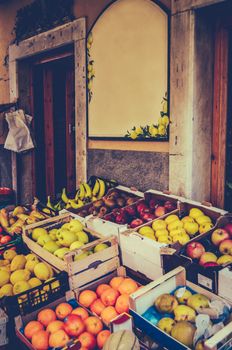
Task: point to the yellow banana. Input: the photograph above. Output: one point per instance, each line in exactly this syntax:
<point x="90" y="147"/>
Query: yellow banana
<point x="68" y="205"/>
<point x="37" y="215"/>
<point x="88" y="191"/>
<point x="46" y="211"/>
<point x="102" y="189"/>
<point x="82" y="191"/>
<point x="64" y="196"/>
<point x="23" y="217"/>
<point x="76" y="205"/>
<point x="94" y="198"/>
<point x="49" y="204"/>
<point x="96" y="188"/>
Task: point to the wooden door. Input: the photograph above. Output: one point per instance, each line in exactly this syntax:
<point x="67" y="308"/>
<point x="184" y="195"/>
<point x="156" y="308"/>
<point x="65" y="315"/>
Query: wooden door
<point x="54" y="127"/>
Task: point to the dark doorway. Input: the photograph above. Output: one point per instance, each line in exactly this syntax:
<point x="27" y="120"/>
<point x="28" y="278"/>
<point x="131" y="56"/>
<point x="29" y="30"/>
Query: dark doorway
<point x="54" y="126"/>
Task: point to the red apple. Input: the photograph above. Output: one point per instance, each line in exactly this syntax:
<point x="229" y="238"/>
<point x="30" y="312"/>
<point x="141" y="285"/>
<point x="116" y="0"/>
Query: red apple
<point x="121" y="219"/>
<point x="207" y="257"/>
<point x="147" y="216"/>
<point x="228" y="228"/>
<point x="210" y="264"/>
<point x="142" y="207"/>
<point x="160" y="211"/>
<point x="74" y="325"/>
<point x="1" y="229"/>
<point x="5" y="239"/>
<point x="135" y="223"/>
<point x="169" y="206"/>
<point x="195" y="250"/>
<point x="219" y="235"/>
<point x="225" y="247"/>
<point x="131" y="211"/>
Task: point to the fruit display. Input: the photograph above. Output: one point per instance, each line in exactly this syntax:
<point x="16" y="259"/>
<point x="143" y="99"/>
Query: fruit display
<point x="213" y="250"/>
<point x="112" y="202"/>
<point x="108" y="299"/>
<point x="55" y="326"/>
<point x="141" y="212"/>
<point x="178" y="229"/>
<point x="89" y="192"/>
<point x="25" y="275"/>
<point x="13" y="221"/>
<point x="66" y="237"/>
<point x="122" y="340"/>
<point x="179" y="313"/>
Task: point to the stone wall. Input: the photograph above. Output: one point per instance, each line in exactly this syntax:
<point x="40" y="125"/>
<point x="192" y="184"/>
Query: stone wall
<point x="143" y="170"/>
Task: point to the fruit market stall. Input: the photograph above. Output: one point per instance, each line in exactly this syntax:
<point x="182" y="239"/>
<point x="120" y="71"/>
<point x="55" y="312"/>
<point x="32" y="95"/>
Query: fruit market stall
<point x="68" y="283"/>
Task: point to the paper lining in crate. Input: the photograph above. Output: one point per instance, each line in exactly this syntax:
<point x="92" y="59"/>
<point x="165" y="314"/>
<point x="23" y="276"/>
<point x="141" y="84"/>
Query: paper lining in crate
<point x="21" y="321"/>
<point x="130" y="216"/>
<point x="82" y="270"/>
<point x="121" y="271"/>
<point x="207" y="277"/>
<point x="136" y="247"/>
<point x="213" y="318"/>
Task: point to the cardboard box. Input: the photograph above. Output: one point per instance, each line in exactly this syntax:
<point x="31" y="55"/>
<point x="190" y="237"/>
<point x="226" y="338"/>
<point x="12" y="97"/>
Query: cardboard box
<point x="207" y="277"/>
<point x="82" y="271"/>
<point x="144" y="298"/>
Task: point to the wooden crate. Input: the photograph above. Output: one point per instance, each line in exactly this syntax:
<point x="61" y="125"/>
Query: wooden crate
<point x="135" y="247"/>
<point x="106" y="227"/>
<point x="21" y="321"/>
<point x="87" y="268"/>
<point x="142" y="299"/>
<point x="120" y="271"/>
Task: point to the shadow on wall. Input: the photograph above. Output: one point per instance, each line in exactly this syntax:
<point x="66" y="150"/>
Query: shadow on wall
<point x="143" y="170"/>
<point x="5" y="167"/>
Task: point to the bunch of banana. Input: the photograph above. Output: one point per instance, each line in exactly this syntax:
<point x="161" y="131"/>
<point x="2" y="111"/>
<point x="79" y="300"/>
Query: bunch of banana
<point x="85" y="194"/>
<point x="13" y="222"/>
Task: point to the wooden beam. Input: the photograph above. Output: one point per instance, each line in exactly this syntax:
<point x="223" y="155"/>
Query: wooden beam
<point x="162" y="147"/>
<point x="48" y="132"/>
<point x="80" y="111"/>
<point x="219" y="118"/>
<point x="185" y="5"/>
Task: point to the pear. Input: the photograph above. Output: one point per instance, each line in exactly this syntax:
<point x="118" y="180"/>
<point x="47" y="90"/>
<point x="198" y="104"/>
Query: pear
<point x="175" y="225"/>
<point x="51" y="246"/>
<point x="99" y="247"/>
<point x="165" y="239"/>
<point x="202" y="219"/>
<point x="66" y="226"/>
<point x="66" y="238"/>
<point x="75" y="225"/>
<point x="224" y="259"/>
<point x="159" y="225"/>
<point x="146" y="229"/>
<point x="166" y="303"/>
<point x="53" y="233"/>
<point x="82" y="237"/>
<point x="149" y="235"/>
<point x="37" y="232"/>
<point x="76" y="245"/>
<point x="198" y="301"/>
<point x="184" y="331"/>
<point x="182" y="297"/>
<point x="191" y="228"/>
<point x="162" y="232"/>
<point x="166" y="324"/>
<point x="195" y="213"/>
<point x="205" y="227"/>
<point x="184" y="313"/>
<point x="43" y="239"/>
<point x="187" y="219"/>
<point x="60" y="253"/>
<point x="171" y="218"/>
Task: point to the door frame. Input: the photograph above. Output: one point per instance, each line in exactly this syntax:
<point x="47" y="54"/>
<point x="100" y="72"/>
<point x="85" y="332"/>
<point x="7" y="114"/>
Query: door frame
<point x="220" y="106"/>
<point x="70" y="33"/>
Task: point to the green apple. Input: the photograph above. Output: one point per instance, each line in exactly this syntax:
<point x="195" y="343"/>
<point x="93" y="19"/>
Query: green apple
<point x="53" y="233"/>
<point x="76" y="245"/>
<point x="82" y="237"/>
<point x="51" y="246"/>
<point x="60" y="253"/>
<point x="81" y="256"/>
<point x="66" y="238"/>
<point x="43" y="239"/>
<point x="75" y="225"/>
<point x="99" y="247"/>
<point x="37" y="232"/>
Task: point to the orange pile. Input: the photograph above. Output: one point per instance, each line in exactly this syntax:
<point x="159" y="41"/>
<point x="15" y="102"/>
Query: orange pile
<point x="109" y="300"/>
<point x="54" y="328"/>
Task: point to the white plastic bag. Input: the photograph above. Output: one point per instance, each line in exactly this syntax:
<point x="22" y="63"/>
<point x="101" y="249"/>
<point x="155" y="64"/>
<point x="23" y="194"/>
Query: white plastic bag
<point x="19" y="137"/>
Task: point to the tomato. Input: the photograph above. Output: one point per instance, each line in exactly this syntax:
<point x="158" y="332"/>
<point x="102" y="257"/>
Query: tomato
<point x="5" y="239"/>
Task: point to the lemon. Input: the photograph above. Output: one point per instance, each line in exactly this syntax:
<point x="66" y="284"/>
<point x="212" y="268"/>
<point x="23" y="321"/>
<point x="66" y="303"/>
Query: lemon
<point x="4" y="278"/>
<point x="133" y="135"/>
<point x="139" y="130"/>
<point x="153" y="130"/>
<point x="161" y="130"/>
<point x="165" y="120"/>
<point x="165" y="106"/>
